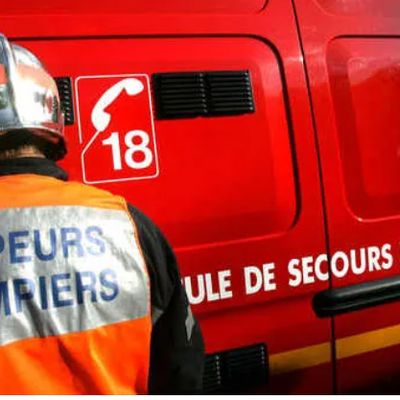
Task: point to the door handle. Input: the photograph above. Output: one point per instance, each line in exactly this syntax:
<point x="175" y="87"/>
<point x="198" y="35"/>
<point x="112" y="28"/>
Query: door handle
<point x="332" y="302"/>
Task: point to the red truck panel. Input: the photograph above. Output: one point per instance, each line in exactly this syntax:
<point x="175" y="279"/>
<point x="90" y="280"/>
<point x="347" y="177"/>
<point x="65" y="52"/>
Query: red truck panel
<point x="352" y="57"/>
<point x="365" y="83"/>
<point x="388" y="8"/>
<point x="24" y="7"/>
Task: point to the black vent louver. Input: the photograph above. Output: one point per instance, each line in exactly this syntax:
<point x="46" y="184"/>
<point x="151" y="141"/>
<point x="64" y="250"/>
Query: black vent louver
<point x="229" y="93"/>
<point x="236" y="370"/>
<point x="180" y="95"/>
<point x="65" y="91"/>
<point x="212" y="380"/>
<point x="202" y="94"/>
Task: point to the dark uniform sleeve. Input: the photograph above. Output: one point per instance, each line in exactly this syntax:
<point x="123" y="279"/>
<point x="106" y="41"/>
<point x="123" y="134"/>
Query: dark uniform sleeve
<point x="177" y="348"/>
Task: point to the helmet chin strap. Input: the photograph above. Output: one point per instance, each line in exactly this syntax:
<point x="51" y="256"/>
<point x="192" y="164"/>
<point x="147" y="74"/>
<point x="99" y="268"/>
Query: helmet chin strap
<point x="22" y="152"/>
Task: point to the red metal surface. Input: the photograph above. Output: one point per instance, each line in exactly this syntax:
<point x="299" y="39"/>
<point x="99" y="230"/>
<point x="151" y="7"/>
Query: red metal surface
<point x="24" y="7"/>
<point x="232" y="191"/>
<point x="352" y="57"/>
<point x="365" y="84"/>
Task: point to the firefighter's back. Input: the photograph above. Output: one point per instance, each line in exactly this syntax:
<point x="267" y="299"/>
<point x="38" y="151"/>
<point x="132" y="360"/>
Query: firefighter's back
<point x="74" y="291"/>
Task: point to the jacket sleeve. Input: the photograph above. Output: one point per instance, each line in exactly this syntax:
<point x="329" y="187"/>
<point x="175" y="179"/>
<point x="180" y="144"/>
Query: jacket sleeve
<point x="177" y="348"/>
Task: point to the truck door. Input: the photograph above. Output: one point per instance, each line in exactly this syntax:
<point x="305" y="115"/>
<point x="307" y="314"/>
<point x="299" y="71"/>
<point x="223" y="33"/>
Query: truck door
<point x="198" y="113"/>
<point x="352" y="54"/>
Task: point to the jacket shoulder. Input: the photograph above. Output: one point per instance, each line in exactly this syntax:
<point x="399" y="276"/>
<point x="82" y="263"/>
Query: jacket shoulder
<point x="86" y="195"/>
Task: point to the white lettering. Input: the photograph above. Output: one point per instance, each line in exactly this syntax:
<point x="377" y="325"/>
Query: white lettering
<point x="208" y="287"/>
<point x="253" y="279"/>
<point x="318" y="272"/>
<point x="373" y="257"/>
<point x="304" y="271"/>
<point x="358" y="269"/>
<point x="308" y="271"/>
<point x="269" y="277"/>
<point x="224" y="279"/>
<point x="386" y="248"/>
<point x="292" y="268"/>
<point x="211" y="294"/>
<point x="187" y="282"/>
<point x="340" y="273"/>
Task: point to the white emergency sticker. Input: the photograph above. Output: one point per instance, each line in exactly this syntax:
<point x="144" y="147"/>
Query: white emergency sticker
<point x="116" y="126"/>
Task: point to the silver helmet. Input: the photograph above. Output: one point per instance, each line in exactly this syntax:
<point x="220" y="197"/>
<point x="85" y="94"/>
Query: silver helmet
<point x="29" y="98"/>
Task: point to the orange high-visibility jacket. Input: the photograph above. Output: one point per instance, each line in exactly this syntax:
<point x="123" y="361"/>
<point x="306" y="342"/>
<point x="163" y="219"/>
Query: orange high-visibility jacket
<point x="74" y="291"/>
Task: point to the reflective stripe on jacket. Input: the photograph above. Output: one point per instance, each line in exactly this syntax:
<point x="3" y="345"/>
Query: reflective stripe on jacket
<point x="74" y="291"/>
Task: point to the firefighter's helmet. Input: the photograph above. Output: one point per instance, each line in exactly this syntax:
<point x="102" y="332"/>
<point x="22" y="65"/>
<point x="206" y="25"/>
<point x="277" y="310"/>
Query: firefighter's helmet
<point x="29" y="98"/>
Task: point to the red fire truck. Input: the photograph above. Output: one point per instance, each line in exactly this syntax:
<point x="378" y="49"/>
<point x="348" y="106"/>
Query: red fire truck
<point x="263" y="137"/>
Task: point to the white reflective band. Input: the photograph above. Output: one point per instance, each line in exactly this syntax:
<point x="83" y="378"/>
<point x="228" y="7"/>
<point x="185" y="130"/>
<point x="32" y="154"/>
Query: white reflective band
<point x="68" y="269"/>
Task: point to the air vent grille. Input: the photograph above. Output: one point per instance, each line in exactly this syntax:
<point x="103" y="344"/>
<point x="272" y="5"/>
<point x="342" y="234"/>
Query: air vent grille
<point x="229" y="93"/>
<point x="236" y="370"/>
<point x="65" y="91"/>
<point x="202" y="94"/>
<point x="212" y="373"/>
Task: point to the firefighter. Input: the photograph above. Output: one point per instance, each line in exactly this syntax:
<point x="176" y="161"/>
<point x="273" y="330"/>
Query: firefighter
<point x="90" y="293"/>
